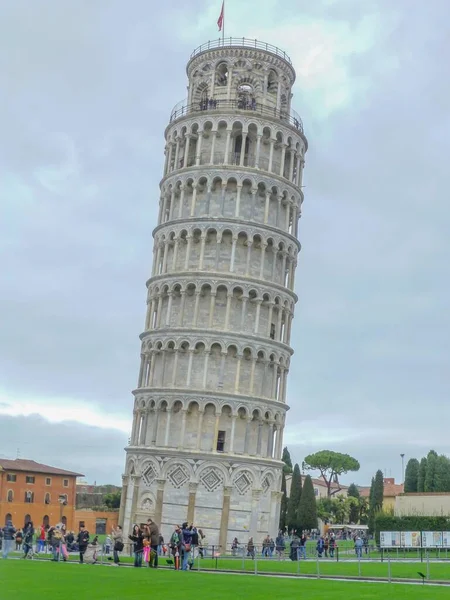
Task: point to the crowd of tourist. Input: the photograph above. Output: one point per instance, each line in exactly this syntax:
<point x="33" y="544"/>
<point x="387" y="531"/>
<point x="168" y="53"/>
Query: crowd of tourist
<point x="187" y="543"/>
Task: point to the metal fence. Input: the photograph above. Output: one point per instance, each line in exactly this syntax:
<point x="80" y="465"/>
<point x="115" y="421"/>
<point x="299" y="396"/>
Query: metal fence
<point x="241" y="43"/>
<point x="214" y="105"/>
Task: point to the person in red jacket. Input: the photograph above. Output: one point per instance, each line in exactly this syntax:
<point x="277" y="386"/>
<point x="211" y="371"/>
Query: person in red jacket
<point x="41" y="539"/>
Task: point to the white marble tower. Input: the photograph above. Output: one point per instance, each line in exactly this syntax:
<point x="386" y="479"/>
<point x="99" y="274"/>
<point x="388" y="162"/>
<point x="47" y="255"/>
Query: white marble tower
<point x="210" y="403"/>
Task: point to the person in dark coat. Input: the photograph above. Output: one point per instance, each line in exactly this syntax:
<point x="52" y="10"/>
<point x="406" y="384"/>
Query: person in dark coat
<point x="82" y="541"/>
<point x="8" y="538"/>
<point x="154" y="542"/>
<point x="28" y="534"/>
<point x="138" y="547"/>
<point x="186" y="541"/>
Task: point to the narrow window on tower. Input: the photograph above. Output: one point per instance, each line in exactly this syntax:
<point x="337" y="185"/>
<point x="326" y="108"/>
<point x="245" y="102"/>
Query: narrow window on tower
<point x="272" y="331"/>
<point x="221" y="441"/>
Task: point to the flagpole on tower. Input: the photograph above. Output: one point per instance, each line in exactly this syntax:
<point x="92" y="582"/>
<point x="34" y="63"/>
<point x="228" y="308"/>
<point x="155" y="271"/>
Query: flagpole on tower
<point x="221" y="22"/>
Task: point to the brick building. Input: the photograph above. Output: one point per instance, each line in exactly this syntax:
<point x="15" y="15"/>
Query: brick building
<point x="30" y="491"/>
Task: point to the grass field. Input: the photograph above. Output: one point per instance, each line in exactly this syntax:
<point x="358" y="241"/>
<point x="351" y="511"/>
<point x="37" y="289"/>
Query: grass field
<point x="346" y="568"/>
<point x="21" y="580"/>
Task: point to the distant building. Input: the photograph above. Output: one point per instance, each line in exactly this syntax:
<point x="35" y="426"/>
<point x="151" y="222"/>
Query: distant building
<point x="31" y="491"/>
<point x="320" y="488"/>
<point x="429" y="504"/>
<point x="391" y="491"/>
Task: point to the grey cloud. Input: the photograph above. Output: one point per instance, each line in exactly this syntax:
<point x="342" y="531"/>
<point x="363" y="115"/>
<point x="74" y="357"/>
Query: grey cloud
<point x="95" y="452"/>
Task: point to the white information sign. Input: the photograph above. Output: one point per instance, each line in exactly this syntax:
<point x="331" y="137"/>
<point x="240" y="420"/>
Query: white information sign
<point x="432" y="539"/>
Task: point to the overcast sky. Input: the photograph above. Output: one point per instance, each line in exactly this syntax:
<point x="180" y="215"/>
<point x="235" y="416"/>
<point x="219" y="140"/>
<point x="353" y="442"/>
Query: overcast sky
<point x="86" y="90"/>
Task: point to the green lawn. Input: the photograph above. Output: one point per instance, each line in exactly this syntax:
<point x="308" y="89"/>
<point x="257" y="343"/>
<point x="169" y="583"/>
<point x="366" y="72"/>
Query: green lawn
<point x="346" y="568"/>
<point x="45" y="580"/>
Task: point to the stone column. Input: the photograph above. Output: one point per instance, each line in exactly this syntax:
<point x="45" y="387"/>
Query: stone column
<point x="254" y="191"/>
<point x="198" y="152"/>
<point x="212" y="307"/>
<point x="175" y="368"/>
<point x="159" y="501"/>
<point x="216" y="432"/>
<point x="177" y="153"/>
<point x="283" y="155"/>
<point x="196" y="308"/>
<point x="291" y="166"/>
<point x="169" y="308"/>
<point x="279" y="321"/>
<point x="191" y="503"/>
<point x="183" y="429"/>
<point x="123" y="499"/>
<point x="249" y="253"/>
<point x="213" y="143"/>
<point x="143" y="428"/>
<point x="205" y="369"/>
<point x="233" y="252"/>
<point x="155" y="426"/>
<point x="227" y="311"/>
<point x="180" y="208"/>
<point x="274" y="514"/>
<point x="193" y="200"/>
<point x="242" y="157"/>
<point x="189" y="373"/>
<point x="259" y="440"/>
<point x="224" y="518"/>
<point x="141" y="370"/>
<point x="256" y="495"/>
<point x="199" y="429"/>
<point x="261" y="266"/>
<point x="266" y="208"/>
<point x="202" y="251"/>
<point x="258" y="150"/>
<point x="288" y="216"/>
<point x="258" y="313"/>
<point x="233" y="428"/>
<point x="166" y="435"/>
<point x="270" y="440"/>
<point x="175" y="254"/>
<point x="135" y="484"/>
<point x="272" y="143"/>
<point x="243" y="312"/>
<point x="227" y="147"/>
<point x="182" y="303"/>
<point x="238" y="200"/>
<point x="252" y="376"/>
<point x="238" y="374"/>
<point x="247" y="434"/>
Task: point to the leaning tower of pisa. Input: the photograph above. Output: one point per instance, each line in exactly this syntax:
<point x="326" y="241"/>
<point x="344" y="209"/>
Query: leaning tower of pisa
<point x="210" y="403"/>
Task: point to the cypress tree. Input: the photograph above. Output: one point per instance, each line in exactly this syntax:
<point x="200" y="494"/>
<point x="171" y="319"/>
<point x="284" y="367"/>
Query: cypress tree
<point x="411" y="475"/>
<point x="442" y="477"/>
<point x="284" y="503"/>
<point x="378" y="491"/>
<point x="422" y="475"/>
<point x="430" y="475"/>
<point x="376" y="498"/>
<point x="307" y="510"/>
<point x="294" y="498"/>
<point x="354" y="514"/>
<point x="286" y="458"/>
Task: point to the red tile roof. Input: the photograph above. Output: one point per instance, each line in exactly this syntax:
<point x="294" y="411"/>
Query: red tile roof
<point x="391" y="490"/>
<point x="21" y="464"/>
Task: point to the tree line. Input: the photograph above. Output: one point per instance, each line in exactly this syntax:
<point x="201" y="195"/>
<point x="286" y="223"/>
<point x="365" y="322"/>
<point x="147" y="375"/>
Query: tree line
<point x="431" y="474"/>
<point x="301" y="510"/>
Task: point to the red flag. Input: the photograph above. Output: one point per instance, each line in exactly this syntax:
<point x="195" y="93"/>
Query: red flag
<point x="221" y="17"/>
